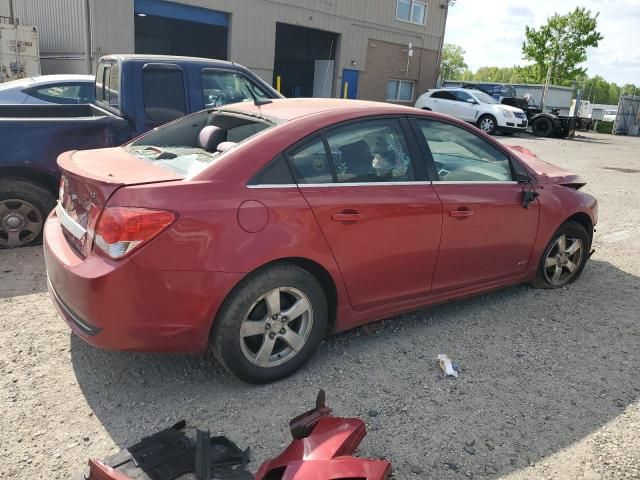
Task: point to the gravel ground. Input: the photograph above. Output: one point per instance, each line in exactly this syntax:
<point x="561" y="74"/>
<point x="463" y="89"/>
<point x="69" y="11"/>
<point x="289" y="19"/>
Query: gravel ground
<point x="549" y="384"/>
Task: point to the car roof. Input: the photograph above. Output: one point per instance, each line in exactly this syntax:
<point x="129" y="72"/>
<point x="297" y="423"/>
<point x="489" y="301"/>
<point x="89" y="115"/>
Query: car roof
<point x="293" y="108"/>
<point x="170" y="58"/>
<point x="45" y="80"/>
<point x="459" y="89"/>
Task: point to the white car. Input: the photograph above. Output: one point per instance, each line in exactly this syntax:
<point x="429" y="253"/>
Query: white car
<point x="47" y="89"/>
<point x="610" y="115"/>
<point x="475" y="107"/>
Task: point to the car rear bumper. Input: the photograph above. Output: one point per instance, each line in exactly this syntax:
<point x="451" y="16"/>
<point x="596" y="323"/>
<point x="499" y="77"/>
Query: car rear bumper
<point x="118" y="305"/>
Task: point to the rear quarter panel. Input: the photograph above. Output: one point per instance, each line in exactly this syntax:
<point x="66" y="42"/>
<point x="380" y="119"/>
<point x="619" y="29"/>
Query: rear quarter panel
<point x="208" y="236"/>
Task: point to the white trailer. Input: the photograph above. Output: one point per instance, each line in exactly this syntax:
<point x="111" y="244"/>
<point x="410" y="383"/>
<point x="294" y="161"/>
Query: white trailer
<point x="19" y="51"/>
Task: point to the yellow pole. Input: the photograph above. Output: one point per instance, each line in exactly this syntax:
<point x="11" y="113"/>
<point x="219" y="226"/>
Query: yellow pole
<point x="345" y="90"/>
<point x="278" y="80"/>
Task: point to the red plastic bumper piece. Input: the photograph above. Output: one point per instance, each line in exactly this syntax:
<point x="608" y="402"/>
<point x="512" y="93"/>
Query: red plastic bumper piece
<point x="322" y="449"/>
<point x="100" y="471"/>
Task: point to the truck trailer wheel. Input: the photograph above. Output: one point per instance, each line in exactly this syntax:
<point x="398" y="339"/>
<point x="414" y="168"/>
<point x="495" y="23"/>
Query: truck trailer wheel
<point x="24" y="207"/>
<point x="542" y="127"/>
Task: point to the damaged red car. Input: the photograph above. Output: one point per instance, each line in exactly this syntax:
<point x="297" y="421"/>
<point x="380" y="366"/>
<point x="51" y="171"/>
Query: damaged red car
<point x="257" y="229"/>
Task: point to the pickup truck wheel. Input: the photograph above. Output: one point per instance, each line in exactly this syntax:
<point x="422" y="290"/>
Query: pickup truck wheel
<point x="271" y="324"/>
<point x="488" y="124"/>
<point x="542" y="127"/>
<point x="24" y="207"/>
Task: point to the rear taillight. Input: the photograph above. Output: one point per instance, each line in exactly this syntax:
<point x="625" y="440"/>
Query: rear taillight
<point x="121" y="230"/>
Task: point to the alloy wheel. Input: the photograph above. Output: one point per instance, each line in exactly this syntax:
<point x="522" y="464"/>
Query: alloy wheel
<point x="563" y="260"/>
<point x="276" y="327"/>
<point x="20" y="222"/>
<point x="487" y="125"/>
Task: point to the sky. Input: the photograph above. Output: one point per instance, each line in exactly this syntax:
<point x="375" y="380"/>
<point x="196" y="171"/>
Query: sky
<point x="491" y="33"/>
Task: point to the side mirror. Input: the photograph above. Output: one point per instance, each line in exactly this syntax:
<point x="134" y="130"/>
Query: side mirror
<point x="522" y="177"/>
<point x="471" y="101"/>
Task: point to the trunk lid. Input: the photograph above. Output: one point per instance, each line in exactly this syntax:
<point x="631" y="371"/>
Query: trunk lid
<point x="546" y="172"/>
<point x="89" y="179"/>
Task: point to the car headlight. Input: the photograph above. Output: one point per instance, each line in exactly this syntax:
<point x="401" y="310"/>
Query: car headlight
<point x="506" y="113"/>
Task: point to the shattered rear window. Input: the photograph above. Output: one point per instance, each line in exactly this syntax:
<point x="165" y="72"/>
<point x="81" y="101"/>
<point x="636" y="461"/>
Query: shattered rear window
<point x="182" y="147"/>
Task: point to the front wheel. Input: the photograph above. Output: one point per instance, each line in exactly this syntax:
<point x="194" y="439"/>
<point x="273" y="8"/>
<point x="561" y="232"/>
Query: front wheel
<point x="488" y="124"/>
<point x="271" y="324"/>
<point x="564" y="258"/>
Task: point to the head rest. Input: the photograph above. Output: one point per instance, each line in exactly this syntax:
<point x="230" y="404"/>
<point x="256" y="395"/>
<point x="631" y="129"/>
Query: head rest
<point x="210" y="136"/>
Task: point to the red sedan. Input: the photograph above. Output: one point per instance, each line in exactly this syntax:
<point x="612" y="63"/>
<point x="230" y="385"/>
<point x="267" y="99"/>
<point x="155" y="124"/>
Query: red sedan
<point x="258" y="229"/>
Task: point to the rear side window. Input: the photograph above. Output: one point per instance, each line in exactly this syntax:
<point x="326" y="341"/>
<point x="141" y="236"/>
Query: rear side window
<point x="108" y="84"/>
<point x="163" y="93"/>
<point x="275" y="173"/>
<point x="443" y="94"/>
<point x="370" y="151"/>
<point x="310" y="164"/>
<point x="114" y="86"/>
<point x="99" y="93"/>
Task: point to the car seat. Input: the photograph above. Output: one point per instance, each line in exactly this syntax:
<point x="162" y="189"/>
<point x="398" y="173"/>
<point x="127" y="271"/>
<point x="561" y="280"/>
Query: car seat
<point x="210" y="137"/>
<point x="358" y="159"/>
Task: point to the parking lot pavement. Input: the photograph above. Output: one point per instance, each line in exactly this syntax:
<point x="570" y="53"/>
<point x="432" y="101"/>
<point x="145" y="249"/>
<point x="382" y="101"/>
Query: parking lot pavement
<point x="549" y="384"/>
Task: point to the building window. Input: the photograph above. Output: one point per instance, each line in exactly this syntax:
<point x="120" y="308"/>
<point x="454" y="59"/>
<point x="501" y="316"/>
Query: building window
<point x="400" y="90"/>
<point x="411" y="11"/>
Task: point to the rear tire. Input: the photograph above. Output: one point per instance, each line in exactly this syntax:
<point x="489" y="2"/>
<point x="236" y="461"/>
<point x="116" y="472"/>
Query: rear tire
<point x="271" y="324"/>
<point x="488" y="124"/>
<point x="564" y="258"/>
<point x="543" y="127"/>
<point x="24" y="207"/>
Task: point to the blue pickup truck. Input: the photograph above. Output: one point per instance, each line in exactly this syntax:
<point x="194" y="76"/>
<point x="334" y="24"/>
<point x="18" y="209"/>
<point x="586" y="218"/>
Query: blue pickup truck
<point x="134" y="94"/>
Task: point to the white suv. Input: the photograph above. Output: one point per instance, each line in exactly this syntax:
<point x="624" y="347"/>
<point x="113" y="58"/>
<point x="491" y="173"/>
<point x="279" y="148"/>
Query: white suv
<point x="475" y="107"/>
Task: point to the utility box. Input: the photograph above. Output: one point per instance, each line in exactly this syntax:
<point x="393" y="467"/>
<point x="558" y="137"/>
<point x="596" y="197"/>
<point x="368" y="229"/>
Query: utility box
<point x="19" y="51"/>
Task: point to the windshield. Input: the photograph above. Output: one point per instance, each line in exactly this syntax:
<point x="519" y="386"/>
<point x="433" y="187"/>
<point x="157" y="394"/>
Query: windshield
<point x="189" y="145"/>
<point x="484" y="98"/>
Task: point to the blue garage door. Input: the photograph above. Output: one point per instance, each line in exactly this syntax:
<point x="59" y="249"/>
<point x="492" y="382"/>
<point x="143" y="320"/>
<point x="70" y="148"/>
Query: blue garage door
<point x="169" y="28"/>
<point x="177" y="11"/>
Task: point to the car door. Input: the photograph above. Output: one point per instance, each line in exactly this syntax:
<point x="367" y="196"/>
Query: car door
<point x="487" y="234"/>
<point x="367" y="187"/>
<point x="443" y="101"/>
<point x="465" y="107"/>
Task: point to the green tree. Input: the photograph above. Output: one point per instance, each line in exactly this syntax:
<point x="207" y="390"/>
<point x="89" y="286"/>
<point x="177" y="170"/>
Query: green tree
<point x="452" y="64"/>
<point x="561" y="44"/>
<point x="629" y="89"/>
